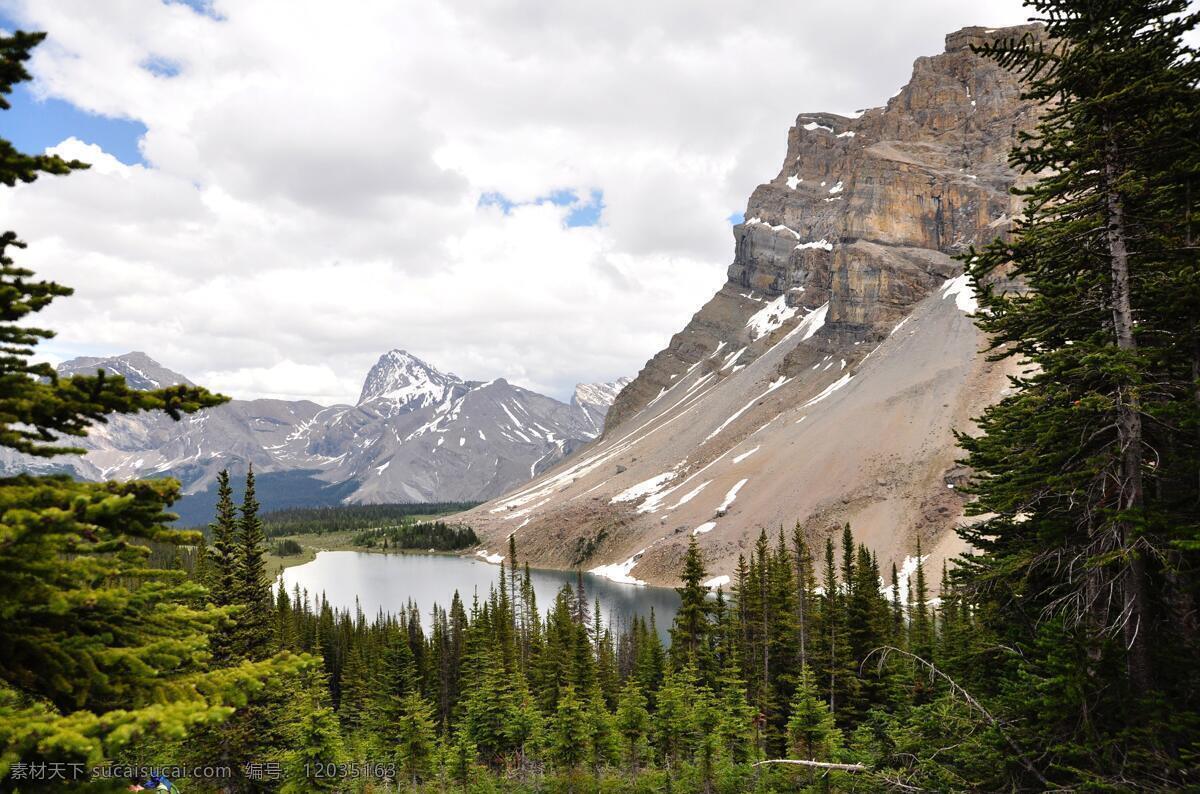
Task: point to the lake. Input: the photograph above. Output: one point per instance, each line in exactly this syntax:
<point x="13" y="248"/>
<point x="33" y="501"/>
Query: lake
<point x="388" y="581"/>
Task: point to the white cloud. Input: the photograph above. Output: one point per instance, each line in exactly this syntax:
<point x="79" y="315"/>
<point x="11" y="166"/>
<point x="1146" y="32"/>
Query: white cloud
<point x="285" y="380"/>
<point x="314" y="170"/>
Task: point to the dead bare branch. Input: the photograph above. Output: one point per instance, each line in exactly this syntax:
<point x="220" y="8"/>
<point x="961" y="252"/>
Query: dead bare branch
<point x="817" y="764"/>
<point x="971" y="701"/>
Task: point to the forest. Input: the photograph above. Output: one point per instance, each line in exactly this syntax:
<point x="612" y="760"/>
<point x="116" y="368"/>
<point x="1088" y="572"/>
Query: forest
<point x="319" y="520"/>
<point x="436" y="535"/>
<point x="1061" y="653"/>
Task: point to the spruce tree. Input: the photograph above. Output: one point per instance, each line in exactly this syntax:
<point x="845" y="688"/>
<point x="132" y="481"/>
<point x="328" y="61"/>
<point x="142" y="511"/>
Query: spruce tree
<point x="315" y="742"/>
<point x="675" y="718"/>
<point x="355" y="690"/>
<point x="804" y="585"/>
<point x="1087" y="472"/>
<point x="812" y="734"/>
<point x="495" y="714"/>
<point x="224" y="554"/>
<point x="251" y="588"/>
<point x="570" y="733"/>
<point x="783" y="604"/>
<point x="463" y="759"/>
<point x="605" y="740"/>
<point x="392" y="682"/>
<point x="921" y="636"/>
<point x="285" y="621"/>
<point x="101" y="649"/>
<point x="690" y="634"/>
<point x="735" y="725"/>
<point x="415" y="739"/>
<point x="633" y="724"/>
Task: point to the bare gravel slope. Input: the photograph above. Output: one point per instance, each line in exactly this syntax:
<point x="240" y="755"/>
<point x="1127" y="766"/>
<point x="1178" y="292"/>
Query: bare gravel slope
<point x="823" y="382"/>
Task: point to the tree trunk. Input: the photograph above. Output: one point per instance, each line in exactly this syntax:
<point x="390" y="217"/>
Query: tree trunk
<point x="802" y="604"/>
<point x="766" y="633"/>
<point x="1129" y="427"/>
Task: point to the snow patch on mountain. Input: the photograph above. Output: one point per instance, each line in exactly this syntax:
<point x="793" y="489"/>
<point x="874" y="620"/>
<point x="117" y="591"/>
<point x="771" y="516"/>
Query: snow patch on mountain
<point x="770" y="317"/>
<point x="401" y="381"/>
<point x="620" y="571"/>
<point x="960" y="289"/>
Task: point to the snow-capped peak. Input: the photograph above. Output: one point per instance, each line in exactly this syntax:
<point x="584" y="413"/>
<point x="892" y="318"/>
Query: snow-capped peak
<point x="400" y="379"/>
<point x="139" y="370"/>
<point x="599" y="394"/>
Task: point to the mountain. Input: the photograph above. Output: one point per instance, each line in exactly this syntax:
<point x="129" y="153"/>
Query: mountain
<point x="138" y="369"/>
<point x="592" y="401"/>
<point x="824" y="381"/>
<point x="416" y="434"/>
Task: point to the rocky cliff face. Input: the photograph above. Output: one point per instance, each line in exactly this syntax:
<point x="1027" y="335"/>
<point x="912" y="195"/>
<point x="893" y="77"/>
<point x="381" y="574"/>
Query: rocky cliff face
<point x="416" y="435"/>
<point x="823" y="382"/>
<point x="866" y="212"/>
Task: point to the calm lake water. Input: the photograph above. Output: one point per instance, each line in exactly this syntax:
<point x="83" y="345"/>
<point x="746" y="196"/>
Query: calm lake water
<point x="388" y="581"/>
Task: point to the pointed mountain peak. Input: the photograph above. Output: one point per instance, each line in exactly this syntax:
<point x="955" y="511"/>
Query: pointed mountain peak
<point x="401" y="379"/>
<point x="599" y="394"/>
<point x="139" y="370"/>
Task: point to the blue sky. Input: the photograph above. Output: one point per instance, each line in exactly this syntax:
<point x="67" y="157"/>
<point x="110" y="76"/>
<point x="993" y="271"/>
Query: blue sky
<point x="33" y="123"/>
<point x="582" y="213"/>
<point x="288" y="217"/>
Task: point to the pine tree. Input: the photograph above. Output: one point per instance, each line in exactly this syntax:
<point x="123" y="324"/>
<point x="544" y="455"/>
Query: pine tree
<point x="812" y="734"/>
<point x="633" y="724"/>
<point x="224" y="554"/>
<point x="463" y="755"/>
<point x="101" y="649"/>
<point x="393" y="681"/>
<point x="251" y="588"/>
<point x="570" y="734"/>
<point x="416" y="740"/>
<point x="1087" y="471"/>
<point x="690" y="634"/>
<point x="315" y="741"/>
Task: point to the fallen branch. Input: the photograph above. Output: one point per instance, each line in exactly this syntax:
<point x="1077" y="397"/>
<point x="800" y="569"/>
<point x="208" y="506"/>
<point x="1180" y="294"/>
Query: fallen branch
<point x="818" y="764"/>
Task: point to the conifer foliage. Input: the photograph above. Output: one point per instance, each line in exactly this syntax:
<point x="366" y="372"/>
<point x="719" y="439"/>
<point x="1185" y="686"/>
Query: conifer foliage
<point x="1089" y="470"/>
<point x="101" y="651"/>
<point x="1060" y="654"/>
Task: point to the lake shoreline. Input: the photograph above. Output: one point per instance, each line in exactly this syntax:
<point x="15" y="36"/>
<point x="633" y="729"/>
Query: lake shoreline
<point x="312" y="548"/>
<point x="377" y="581"/>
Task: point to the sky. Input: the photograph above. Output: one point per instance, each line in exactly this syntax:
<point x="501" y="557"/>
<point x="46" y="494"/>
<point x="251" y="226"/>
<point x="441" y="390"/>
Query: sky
<point x="283" y="190"/>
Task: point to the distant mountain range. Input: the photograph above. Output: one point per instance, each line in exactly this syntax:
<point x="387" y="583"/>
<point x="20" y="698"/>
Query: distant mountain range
<point x="416" y="434"/>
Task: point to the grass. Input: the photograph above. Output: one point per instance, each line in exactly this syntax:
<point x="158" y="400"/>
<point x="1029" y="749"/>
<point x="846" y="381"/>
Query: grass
<point x="310" y="544"/>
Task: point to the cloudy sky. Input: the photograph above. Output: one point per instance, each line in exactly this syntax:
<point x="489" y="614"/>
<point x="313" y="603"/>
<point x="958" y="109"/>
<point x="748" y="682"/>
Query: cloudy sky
<point x="282" y="190"/>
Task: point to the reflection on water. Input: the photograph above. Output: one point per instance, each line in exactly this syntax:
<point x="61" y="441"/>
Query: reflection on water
<point x="388" y="582"/>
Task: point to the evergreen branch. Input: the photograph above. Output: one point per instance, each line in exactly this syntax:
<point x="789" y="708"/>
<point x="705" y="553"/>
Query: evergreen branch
<point x="886" y="650"/>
